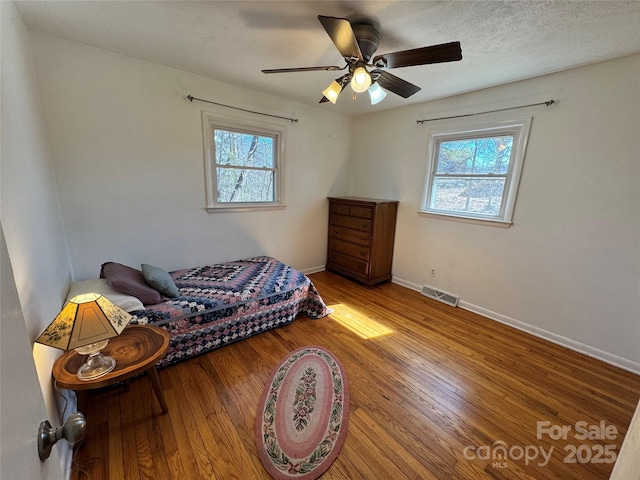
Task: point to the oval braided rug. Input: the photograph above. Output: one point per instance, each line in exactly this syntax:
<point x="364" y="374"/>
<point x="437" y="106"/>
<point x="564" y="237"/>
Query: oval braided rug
<point x="302" y="416"/>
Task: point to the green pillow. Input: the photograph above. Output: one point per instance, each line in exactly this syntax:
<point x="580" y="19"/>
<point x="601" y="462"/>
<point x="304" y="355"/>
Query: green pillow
<point x="160" y="280"/>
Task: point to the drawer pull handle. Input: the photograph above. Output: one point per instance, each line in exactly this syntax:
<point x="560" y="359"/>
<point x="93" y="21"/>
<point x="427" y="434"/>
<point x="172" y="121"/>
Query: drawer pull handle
<point x="334" y="245"/>
<point x="363" y="239"/>
<point x="363" y="254"/>
<point x="364" y="225"/>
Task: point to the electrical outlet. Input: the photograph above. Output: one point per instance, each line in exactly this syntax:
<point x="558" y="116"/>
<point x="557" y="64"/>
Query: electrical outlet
<point x="433" y="272"/>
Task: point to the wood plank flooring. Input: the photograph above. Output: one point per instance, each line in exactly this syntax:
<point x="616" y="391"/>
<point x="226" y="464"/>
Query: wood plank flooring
<point x="440" y="393"/>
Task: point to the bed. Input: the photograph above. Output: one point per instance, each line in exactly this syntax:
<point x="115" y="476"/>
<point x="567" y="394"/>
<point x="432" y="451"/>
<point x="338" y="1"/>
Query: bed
<point x="220" y="304"/>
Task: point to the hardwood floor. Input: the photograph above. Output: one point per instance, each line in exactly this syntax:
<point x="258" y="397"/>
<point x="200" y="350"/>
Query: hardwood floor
<point x="433" y="396"/>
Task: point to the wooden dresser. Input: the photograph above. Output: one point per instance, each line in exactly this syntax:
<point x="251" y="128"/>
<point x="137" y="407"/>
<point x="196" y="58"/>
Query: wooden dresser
<point x="361" y="236"/>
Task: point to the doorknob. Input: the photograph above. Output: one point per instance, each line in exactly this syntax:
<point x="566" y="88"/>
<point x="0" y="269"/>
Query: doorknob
<point x="72" y="431"/>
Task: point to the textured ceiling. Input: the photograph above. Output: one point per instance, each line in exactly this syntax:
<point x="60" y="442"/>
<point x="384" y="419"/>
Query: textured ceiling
<point x="231" y="41"/>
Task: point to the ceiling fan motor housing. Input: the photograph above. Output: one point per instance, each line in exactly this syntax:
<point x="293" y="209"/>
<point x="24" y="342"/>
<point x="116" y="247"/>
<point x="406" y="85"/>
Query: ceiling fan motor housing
<point x="368" y="38"/>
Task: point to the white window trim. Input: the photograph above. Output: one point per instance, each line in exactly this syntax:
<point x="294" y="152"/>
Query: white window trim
<point x="210" y="121"/>
<point x="519" y="128"/>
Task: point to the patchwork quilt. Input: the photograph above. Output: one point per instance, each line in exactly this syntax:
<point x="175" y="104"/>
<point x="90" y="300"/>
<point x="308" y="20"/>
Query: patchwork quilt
<point x="223" y="303"/>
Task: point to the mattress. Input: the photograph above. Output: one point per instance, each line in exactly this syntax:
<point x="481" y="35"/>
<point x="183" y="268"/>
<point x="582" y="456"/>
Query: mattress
<point x="222" y="303"/>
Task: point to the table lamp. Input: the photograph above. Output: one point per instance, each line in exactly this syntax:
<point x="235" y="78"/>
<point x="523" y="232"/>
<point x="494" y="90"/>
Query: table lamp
<point x="85" y="324"/>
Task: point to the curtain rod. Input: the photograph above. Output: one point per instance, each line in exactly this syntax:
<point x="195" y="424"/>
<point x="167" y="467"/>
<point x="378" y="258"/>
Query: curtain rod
<point x="192" y="98"/>
<point x="547" y="103"/>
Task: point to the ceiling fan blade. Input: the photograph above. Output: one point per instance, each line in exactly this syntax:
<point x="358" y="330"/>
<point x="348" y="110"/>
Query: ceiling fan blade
<point x="446" y="52"/>
<point x="303" y="69"/>
<point x="341" y="33"/>
<point x="395" y="84"/>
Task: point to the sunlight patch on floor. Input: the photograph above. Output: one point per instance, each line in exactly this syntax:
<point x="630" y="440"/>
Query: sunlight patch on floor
<point x="358" y="323"/>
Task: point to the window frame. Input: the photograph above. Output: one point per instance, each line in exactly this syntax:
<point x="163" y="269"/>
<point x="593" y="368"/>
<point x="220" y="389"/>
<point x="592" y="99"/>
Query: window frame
<point x="212" y="122"/>
<point x="519" y="128"/>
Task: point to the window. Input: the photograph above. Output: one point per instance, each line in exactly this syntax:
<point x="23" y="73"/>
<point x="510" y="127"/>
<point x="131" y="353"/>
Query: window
<point x="244" y="164"/>
<point x="473" y="171"/>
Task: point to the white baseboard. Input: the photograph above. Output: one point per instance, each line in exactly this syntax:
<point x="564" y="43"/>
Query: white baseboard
<point x="404" y="283"/>
<point x="309" y="271"/>
<point x="606" y="357"/>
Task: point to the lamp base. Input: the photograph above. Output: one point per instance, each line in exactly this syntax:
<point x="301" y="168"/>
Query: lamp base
<point x="96" y="367"/>
<point x="97" y="364"/>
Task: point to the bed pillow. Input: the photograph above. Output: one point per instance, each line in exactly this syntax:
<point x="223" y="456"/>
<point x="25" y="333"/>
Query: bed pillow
<point x="130" y="281"/>
<point x="100" y="285"/>
<point x="160" y="280"/>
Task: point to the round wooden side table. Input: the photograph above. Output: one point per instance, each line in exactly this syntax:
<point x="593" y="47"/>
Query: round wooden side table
<point x="136" y="350"/>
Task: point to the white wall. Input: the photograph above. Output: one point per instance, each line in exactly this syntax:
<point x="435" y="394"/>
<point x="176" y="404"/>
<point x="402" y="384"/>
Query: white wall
<point x="569" y="267"/>
<point x="32" y="222"/>
<point x="128" y="155"/>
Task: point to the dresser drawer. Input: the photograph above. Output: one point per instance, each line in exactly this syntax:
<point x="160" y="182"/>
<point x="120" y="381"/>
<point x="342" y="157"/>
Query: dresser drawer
<point x="360" y="267"/>
<point x="349" y="235"/>
<point x="351" y="249"/>
<point x="361" y="212"/>
<point x="353" y="210"/>
<point x="351" y="222"/>
<point x="340" y="208"/>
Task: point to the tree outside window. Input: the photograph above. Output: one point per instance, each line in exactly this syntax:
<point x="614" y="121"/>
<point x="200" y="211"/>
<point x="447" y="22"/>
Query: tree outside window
<point x="245" y="167"/>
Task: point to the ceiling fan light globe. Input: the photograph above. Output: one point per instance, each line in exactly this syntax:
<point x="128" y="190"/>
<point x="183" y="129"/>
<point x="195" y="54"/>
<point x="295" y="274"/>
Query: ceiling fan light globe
<point x="376" y="93"/>
<point x="332" y="91"/>
<point x="360" y="80"/>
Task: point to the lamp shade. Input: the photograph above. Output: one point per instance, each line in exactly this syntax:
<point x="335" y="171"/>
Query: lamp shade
<point x="332" y="92"/>
<point x="360" y="80"/>
<point x="376" y="93"/>
<point x="84" y="320"/>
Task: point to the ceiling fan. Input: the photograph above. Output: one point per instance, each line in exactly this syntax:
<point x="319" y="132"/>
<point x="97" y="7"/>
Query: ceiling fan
<point x="357" y="42"/>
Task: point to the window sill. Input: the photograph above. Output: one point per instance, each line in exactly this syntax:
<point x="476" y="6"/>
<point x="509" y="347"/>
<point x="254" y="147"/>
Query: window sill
<point x="460" y="218"/>
<point x="245" y="208"/>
